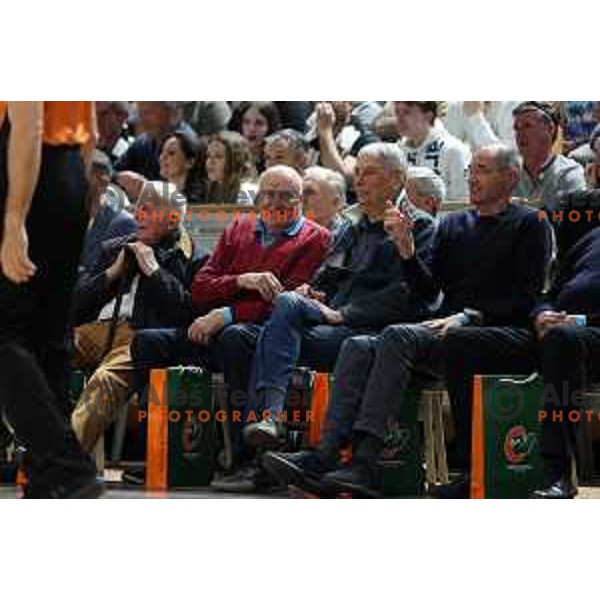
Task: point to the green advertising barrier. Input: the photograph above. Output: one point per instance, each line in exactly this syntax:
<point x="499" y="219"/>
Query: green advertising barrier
<point x="402" y="459"/>
<point x="182" y="436"/>
<point x="506" y="460"/>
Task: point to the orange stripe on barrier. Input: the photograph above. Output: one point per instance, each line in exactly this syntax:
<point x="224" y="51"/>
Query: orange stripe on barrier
<point x="157" y="460"/>
<point x="477" y="442"/>
<point x="21" y="479"/>
<point x="318" y="407"/>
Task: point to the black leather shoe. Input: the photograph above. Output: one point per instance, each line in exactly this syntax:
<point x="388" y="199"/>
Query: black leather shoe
<point x="459" y="489"/>
<point x="359" y="480"/>
<point x="559" y="490"/>
<point x="81" y="489"/>
<point x="292" y="468"/>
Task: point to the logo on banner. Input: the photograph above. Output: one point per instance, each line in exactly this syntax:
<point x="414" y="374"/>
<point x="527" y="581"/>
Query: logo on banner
<point x="397" y="438"/>
<point x="519" y="444"/>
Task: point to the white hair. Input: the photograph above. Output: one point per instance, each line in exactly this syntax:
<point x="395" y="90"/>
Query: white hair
<point x="427" y="183"/>
<point x="332" y="179"/>
<point x="391" y="155"/>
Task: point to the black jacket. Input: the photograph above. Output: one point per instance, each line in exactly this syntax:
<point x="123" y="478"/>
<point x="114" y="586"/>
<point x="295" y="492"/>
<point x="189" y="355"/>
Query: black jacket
<point x="373" y="294"/>
<point x="162" y="300"/>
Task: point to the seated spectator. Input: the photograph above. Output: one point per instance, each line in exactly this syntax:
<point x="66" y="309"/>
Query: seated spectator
<point x="230" y="174"/>
<point x="182" y="163"/>
<point x="254" y="261"/>
<point x="579" y="119"/>
<point x="364" y="113"/>
<point x="114" y="135"/>
<point x="294" y="115"/>
<point x="546" y="176"/>
<point x="480" y="123"/>
<point x="584" y="153"/>
<point x="489" y="262"/>
<point x="256" y="121"/>
<point x="362" y="289"/>
<point x="207" y="116"/>
<point x="287" y="147"/>
<point x="425" y="189"/>
<point x="562" y="343"/>
<point x="324" y="198"/>
<point x="140" y="163"/>
<point x="152" y="273"/>
<point x="337" y="137"/>
<point x="108" y="209"/>
<point x="385" y="127"/>
<point x="432" y="146"/>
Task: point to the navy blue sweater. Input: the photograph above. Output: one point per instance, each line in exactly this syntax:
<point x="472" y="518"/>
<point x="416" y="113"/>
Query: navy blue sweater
<point x="576" y="289"/>
<point x="496" y="265"/>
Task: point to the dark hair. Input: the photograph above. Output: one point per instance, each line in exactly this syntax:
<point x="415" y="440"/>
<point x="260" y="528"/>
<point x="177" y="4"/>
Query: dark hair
<point x="550" y="112"/>
<point x="193" y="149"/>
<point x="429" y="106"/>
<point x="267" y="109"/>
<point x="239" y="167"/>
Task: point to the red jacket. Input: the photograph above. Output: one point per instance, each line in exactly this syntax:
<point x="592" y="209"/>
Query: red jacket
<point x="292" y="259"/>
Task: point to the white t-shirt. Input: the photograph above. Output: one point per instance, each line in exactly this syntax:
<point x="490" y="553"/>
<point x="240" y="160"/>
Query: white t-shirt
<point x="446" y="155"/>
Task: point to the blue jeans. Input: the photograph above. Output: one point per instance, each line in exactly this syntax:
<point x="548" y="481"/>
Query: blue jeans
<point x="295" y="334"/>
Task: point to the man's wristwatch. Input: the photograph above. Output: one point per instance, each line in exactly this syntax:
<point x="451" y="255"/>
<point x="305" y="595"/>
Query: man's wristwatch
<point x="472" y="317"/>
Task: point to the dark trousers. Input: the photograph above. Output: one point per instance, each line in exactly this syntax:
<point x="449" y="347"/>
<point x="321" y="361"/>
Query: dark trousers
<point x="286" y="340"/>
<point x="34" y="317"/>
<point x="567" y="357"/>
<point x="371" y="376"/>
<point x="373" y="372"/>
<point x="230" y="353"/>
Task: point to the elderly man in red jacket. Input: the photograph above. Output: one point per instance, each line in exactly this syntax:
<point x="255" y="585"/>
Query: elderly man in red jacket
<point x="255" y="260"/>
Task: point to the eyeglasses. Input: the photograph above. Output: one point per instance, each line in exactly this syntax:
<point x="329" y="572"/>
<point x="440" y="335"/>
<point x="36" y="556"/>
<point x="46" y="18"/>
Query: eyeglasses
<point x="286" y="198"/>
<point x="473" y="168"/>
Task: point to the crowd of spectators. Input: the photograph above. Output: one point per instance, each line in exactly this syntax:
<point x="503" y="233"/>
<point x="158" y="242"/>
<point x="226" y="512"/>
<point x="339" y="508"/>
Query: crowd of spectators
<point x="400" y="245"/>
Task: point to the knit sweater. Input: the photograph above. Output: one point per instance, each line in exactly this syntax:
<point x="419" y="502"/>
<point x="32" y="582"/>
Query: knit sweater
<point x="293" y="259"/>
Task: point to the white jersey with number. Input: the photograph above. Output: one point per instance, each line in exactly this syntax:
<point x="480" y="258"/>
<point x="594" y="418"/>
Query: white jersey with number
<point x="446" y="155"/>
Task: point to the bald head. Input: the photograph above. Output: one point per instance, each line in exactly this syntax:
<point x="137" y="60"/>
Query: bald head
<point x="282" y="175"/>
<point x="280" y="196"/>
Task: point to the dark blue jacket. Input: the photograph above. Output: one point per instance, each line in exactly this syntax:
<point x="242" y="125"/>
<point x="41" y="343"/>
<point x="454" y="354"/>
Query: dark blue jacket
<point x="108" y="224"/>
<point x="364" y="275"/>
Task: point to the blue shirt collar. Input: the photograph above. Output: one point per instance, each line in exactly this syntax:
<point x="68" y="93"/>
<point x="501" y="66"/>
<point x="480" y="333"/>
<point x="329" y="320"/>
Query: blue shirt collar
<point x="291" y="230"/>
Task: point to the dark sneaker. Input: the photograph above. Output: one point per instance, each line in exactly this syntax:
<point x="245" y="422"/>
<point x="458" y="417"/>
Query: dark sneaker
<point x="265" y="434"/>
<point x="293" y="468"/>
<point x="459" y="489"/>
<point x="359" y="480"/>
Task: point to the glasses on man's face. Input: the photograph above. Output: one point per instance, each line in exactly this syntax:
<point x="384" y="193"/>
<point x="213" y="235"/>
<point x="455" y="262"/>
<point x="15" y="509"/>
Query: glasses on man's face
<point x="285" y="198"/>
<point x="475" y="169"/>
